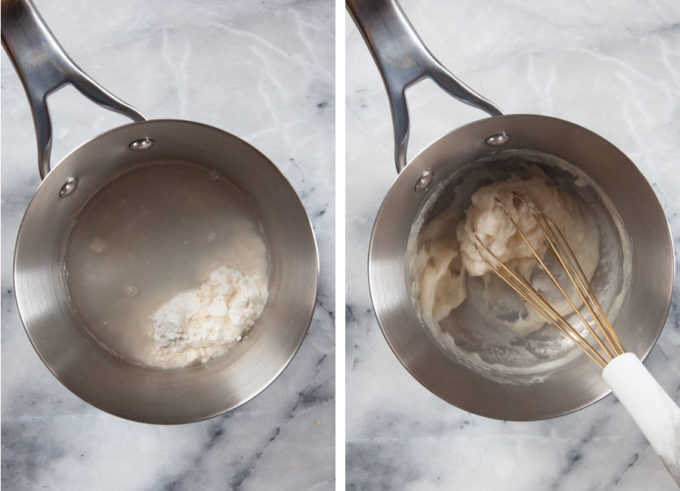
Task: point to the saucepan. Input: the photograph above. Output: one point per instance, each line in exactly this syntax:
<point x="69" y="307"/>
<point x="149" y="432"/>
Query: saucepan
<point x="189" y="167"/>
<point x="448" y="170"/>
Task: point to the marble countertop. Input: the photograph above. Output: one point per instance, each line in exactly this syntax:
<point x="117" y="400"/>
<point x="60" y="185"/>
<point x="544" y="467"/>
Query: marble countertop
<point x="263" y="71"/>
<point x="615" y="70"/>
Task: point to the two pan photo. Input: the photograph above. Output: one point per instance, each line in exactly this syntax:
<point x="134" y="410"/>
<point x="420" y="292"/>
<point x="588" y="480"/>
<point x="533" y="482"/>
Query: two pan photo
<point x="327" y="245"/>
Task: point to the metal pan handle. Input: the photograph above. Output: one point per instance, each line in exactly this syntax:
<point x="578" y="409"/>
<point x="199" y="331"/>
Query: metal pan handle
<point x="44" y="67"/>
<point x="404" y="60"/>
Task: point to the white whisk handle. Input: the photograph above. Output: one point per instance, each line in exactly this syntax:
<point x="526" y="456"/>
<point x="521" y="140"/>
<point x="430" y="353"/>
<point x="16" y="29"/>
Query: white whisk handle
<point x="655" y="413"/>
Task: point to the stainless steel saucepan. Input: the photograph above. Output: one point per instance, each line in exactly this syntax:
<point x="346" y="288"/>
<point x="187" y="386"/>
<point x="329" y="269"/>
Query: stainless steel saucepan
<point x="440" y="172"/>
<point x="192" y="169"/>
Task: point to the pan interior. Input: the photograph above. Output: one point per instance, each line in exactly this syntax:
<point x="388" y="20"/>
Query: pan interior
<point x="476" y="333"/>
<point x="149" y="234"/>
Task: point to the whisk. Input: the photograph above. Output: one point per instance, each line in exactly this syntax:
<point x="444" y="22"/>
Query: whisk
<point x="653" y="410"/>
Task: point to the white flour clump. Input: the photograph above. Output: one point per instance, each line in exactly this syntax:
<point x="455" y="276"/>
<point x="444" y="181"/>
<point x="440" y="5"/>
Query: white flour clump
<point x="195" y="326"/>
<point x="447" y="255"/>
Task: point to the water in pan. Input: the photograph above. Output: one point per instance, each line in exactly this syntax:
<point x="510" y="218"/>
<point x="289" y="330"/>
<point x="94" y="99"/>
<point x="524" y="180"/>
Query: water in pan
<point x="148" y="235"/>
<point x="477" y="333"/>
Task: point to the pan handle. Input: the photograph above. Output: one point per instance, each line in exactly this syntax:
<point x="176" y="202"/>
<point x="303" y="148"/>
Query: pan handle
<point x="404" y="60"/>
<point x="44" y="67"/>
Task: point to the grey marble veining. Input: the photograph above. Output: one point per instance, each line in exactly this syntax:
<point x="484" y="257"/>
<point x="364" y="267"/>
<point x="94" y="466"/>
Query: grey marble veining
<point x="615" y="70"/>
<point x="263" y="71"/>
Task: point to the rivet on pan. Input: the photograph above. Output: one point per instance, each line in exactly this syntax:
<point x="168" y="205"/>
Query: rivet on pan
<point x="498" y="140"/>
<point x="141" y="144"/>
<point x="425" y="180"/>
<point x="69" y="186"/>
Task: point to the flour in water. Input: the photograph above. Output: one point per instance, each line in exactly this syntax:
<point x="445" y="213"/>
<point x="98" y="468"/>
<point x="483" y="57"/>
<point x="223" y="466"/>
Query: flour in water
<point x="470" y="312"/>
<point x="167" y="265"/>
<point x="200" y="324"/>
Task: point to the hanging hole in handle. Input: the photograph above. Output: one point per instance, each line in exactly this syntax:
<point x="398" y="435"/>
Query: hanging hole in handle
<point x="80" y="118"/>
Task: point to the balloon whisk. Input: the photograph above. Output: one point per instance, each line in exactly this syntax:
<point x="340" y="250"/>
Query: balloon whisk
<point x="603" y="345"/>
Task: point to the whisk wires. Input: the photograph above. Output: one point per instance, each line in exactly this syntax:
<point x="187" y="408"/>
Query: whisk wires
<point x="602" y="332"/>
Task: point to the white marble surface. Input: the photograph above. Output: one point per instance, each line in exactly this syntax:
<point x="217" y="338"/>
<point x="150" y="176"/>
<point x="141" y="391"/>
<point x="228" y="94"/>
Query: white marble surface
<point x="613" y="69"/>
<point x="263" y="71"/>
